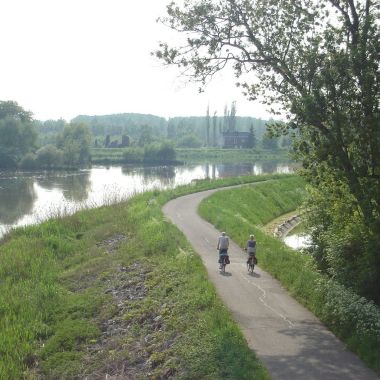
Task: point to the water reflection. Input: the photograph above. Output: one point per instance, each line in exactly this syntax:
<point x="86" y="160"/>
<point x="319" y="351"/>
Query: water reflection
<point x="27" y="198"/>
<point x="11" y="206"/>
<point x="297" y="241"/>
<point x="74" y="186"/>
<point x="150" y="174"/>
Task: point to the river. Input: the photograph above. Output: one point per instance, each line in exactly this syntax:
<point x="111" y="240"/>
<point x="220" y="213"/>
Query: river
<point x="31" y="197"/>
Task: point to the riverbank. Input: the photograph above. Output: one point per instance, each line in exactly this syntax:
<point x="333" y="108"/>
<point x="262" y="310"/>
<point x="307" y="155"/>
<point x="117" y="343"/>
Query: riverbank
<point x="190" y="156"/>
<point x="218" y="155"/>
<point x="350" y="317"/>
<point x="110" y="291"/>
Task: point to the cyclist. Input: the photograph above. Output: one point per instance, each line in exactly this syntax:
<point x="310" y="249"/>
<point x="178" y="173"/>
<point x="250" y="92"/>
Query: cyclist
<point x="251" y="248"/>
<point x="222" y="247"/>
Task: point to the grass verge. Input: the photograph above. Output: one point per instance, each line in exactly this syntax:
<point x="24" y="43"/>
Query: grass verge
<point x="190" y="156"/>
<point x="355" y="320"/>
<point x="115" y="290"/>
<point x="200" y="155"/>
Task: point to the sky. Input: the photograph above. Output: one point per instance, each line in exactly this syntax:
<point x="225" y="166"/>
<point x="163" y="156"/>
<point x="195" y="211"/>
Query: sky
<point x="63" y="58"/>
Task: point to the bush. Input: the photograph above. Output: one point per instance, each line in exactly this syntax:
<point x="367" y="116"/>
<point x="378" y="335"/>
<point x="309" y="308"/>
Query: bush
<point x="8" y="158"/>
<point x="29" y="161"/>
<point x="159" y="152"/>
<point x="189" y="141"/>
<point x="133" y="155"/>
<point x="49" y="156"/>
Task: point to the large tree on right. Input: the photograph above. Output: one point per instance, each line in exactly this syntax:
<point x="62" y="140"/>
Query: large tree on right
<point x="317" y="61"/>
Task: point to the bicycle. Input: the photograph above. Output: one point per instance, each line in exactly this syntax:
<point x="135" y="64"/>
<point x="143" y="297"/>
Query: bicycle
<point x="224" y="260"/>
<point x="251" y="263"/>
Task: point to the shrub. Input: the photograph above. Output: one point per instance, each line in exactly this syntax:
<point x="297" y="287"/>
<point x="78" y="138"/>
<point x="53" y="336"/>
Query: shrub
<point x="49" y="156"/>
<point x="29" y="161"/>
<point x="159" y="152"/>
<point x="133" y="155"/>
<point x="189" y="141"/>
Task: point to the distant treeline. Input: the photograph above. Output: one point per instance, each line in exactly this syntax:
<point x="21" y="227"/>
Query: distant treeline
<point x="124" y="123"/>
<point x="179" y="126"/>
<point x="31" y="144"/>
<point x="191" y="131"/>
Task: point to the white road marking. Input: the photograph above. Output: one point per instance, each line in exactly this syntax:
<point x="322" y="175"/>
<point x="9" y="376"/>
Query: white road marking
<point x="262" y="299"/>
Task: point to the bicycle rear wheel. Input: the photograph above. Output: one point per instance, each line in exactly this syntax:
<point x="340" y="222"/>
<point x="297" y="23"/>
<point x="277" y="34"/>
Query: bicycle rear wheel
<point x="251" y="265"/>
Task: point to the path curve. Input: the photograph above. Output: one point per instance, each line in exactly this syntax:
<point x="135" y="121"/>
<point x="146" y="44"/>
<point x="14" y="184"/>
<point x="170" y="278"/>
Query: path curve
<point x="291" y="342"/>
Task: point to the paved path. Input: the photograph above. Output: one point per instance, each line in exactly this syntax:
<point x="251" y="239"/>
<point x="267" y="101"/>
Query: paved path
<point x="290" y="341"/>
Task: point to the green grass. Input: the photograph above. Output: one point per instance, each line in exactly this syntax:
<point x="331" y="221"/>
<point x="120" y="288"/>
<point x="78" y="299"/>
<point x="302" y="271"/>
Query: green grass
<point x="65" y="284"/>
<point x="230" y="155"/>
<point x="135" y="155"/>
<point x="111" y="155"/>
<point x="246" y="210"/>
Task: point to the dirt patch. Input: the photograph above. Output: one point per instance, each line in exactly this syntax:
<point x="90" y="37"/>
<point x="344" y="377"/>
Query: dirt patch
<point x="131" y="343"/>
<point x="112" y="244"/>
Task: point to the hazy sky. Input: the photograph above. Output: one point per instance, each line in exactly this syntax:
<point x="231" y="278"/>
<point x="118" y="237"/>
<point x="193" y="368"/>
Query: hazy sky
<point x="61" y="58"/>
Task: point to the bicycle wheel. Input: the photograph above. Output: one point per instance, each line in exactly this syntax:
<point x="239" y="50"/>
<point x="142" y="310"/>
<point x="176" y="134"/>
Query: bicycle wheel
<point x="251" y="266"/>
<point x="224" y="265"/>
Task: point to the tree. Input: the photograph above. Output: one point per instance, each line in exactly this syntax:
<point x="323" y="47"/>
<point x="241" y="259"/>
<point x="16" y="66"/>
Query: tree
<point x="252" y="142"/>
<point x="145" y="136"/>
<point x="321" y="69"/>
<point x="49" y="156"/>
<point x="75" y="141"/>
<point x="12" y="110"/>
<point x="172" y="133"/>
<point x="232" y="118"/>
<point x="17" y="135"/>
<point x="319" y="63"/>
<point x="226" y="116"/>
<point x="107" y="141"/>
<point x="208" y="126"/>
<point x="189" y="141"/>
<point x="214" y="123"/>
<point x="159" y="152"/>
<point x="270" y="142"/>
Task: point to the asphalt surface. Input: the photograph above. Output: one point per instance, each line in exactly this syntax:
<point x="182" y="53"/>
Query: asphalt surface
<point x="291" y="342"/>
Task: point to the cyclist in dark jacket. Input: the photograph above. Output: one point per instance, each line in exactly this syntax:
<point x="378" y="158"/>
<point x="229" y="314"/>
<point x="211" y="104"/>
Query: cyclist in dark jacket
<point x="251" y="247"/>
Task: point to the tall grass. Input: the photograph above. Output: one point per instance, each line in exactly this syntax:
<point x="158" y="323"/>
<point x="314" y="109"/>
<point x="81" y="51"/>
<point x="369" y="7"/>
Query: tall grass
<point x="245" y="210"/>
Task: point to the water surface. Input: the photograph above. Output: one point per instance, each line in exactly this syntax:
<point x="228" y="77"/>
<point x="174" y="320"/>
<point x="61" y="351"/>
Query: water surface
<point x="297" y="241"/>
<point x="31" y="197"/>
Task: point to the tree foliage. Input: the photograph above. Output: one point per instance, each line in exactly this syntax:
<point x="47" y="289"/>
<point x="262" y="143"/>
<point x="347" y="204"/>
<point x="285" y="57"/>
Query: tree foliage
<point x="17" y="135"/>
<point x="11" y="109"/>
<point x="270" y="142"/>
<point x="159" y="152"/>
<point x="75" y="142"/>
<point x="252" y="138"/>
<point x="49" y="156"/>
<point x="189" y="141"/>
<point x="318" y="61"/>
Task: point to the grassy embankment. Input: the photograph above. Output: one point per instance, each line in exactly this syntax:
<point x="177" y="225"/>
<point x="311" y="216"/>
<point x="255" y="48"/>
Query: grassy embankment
<point x="231" y="155"/>
<point x="135" y="155"/>
<point x="352" y="318"/>
<point x="115" y="290"/>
